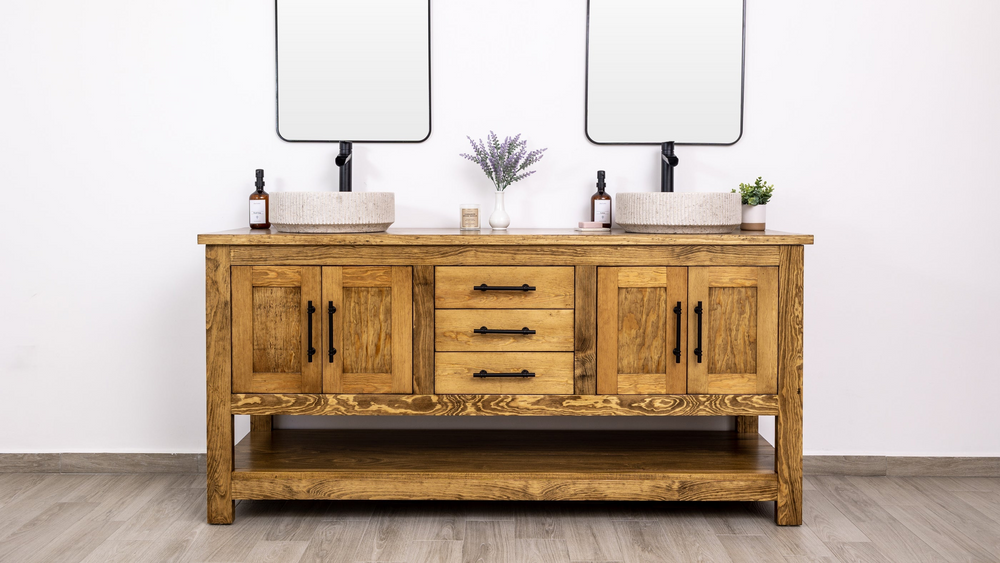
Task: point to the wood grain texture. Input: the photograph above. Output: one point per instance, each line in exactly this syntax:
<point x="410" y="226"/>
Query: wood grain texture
<point x="368" y="276"/>
<point x="402" y="330"/>
<point x="585" y="320"/>
<point x="739" y="329"/>
<point x="261" y="423"/>
<point x="507" y="405"/>
<point x="491" y="465"/>
<point x="367" y="322"/>
<point x="747" y="425"/>
<point x="788" y="423"/>
<point x="607" y="330"/>
<point x="451" y="237"/>
<point x="507" y="255"/>
<point x="453" y="373"/>
<point x="637" y="330"/>
<point x="453" y="287"/>
<point x="423" y="329"/>
<point x="218" y="348"/>
<point x="333" y="294"/>
<point x="269" y="337"/>
<point x="454" y="330"/>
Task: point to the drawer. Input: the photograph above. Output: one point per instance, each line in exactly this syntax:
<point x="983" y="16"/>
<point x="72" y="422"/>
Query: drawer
<point x="454" y="287"/>
<point x="454" y="330"/>
<point x="453" y="373"/>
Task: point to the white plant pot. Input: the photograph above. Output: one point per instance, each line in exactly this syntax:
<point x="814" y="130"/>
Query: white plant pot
<point x="499" y="220"/>
<point x="754" y="217"/>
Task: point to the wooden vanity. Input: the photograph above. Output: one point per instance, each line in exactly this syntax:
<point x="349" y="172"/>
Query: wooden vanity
<point x="523" y="323"/>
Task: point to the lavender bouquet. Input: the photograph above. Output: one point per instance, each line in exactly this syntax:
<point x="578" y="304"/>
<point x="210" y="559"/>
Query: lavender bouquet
<point x="504" y="163"/>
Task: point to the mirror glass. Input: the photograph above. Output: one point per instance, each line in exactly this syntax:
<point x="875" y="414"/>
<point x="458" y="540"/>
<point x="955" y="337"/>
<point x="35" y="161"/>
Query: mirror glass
<point x="353" y="70"/>
<point x="665" y="70"/>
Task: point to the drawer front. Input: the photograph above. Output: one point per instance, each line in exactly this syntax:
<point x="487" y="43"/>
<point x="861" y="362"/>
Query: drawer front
<point x="454" y="330"/>
<point x="553" y="287"/>
<point x="453" y="373"/>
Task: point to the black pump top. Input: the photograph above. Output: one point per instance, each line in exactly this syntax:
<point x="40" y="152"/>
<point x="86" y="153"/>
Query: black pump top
<point x="260" y="179"/>
<point x="600" y="181"/>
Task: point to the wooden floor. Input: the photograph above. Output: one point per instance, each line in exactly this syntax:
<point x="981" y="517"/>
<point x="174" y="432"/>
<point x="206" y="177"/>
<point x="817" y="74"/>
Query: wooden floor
<point x="159" y="518"/>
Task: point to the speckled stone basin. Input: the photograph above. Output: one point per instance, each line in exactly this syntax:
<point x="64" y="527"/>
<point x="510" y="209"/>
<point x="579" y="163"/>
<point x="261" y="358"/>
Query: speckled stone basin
<point x="677" y="213"/>
<point x="332" y="212"/>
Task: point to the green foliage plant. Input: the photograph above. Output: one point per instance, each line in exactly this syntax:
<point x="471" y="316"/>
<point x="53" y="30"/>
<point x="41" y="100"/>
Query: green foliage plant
<point x="758" y="193"/>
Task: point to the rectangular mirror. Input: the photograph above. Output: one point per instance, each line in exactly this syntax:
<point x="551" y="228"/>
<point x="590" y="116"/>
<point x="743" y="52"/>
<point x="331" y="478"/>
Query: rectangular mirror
<point x="665" y="70"/>
<point x="353" y="70"/>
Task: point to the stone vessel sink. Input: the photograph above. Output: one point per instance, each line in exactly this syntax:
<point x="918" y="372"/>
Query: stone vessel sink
<point x="676" y="213"/>
<point x="332" y="212"/>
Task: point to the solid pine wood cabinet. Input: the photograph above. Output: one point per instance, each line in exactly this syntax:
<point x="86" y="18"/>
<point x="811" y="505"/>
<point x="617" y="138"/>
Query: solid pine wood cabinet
<point x="312" y="329"/>
<point x="522" y="323"/>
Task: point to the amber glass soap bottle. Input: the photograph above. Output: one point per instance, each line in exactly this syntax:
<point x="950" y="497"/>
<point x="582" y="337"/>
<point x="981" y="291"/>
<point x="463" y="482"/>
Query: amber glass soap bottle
<point x="600" y="204"/>
<point x="260" y="217"/>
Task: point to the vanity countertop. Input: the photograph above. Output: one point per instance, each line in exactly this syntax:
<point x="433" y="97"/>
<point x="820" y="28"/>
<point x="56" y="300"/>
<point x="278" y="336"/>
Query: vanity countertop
<point x="486" y="237"/>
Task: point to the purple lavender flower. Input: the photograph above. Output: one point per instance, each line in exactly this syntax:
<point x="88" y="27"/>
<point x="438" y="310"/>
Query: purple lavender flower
<point x="503" y="162"/>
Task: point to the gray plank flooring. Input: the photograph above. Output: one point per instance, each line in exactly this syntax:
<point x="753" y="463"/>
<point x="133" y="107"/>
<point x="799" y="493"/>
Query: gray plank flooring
<point x="137" y="518"/>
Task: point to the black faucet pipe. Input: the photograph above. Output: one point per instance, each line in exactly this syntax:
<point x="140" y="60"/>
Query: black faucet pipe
<point x="667" y="163"/>
<point x="344" y="162"/>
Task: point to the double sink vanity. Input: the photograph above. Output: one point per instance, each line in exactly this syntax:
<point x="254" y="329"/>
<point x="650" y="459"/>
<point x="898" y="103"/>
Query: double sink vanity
<point x="524" y="323"/>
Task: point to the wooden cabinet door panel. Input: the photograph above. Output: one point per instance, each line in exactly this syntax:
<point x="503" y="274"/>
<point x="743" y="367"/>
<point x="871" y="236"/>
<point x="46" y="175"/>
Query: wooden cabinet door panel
<point x="637" y="330"/>
<point x="739" y="330"/>
<point x="270" y="329"/>
<point x="371" y="329"/>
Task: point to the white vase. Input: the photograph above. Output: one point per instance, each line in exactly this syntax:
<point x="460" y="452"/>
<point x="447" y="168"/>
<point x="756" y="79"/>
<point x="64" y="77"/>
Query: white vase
<point x="499" y="220"/>
<point x="754" y="217"/>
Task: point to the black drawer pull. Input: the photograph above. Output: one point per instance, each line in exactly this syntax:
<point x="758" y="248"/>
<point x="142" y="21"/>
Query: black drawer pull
<point x="484" y="330"/>
<point x="522" y="373"/>
<point x="311" y="351"/>
<point x="330" y="310"/>
<point x="698" y="351"/>
<point x="677" y="346"/>
<point x="484" y="287"/>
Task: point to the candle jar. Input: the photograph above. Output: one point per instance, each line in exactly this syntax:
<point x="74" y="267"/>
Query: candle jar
<point x="469" y="220"/>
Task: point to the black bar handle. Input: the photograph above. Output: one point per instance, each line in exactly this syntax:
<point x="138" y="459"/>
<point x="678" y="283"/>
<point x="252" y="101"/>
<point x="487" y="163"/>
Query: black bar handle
<point x="522" y="373"/>
<point x="310" y="309"/>
<point x="330" y="310"/>
<point x="698" y="351"/>
<point x="484" y="330"/>
<point x="677" y="346"/>
<point x="484" y="287"/>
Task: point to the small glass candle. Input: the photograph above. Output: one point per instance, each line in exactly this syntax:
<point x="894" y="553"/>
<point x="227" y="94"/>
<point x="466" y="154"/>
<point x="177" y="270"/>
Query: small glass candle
<point x="469" y="219"/>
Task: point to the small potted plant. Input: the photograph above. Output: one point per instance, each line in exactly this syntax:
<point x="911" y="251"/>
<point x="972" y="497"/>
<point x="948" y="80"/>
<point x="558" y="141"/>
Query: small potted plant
<point x="503" y="163"/>
<point x="755" y="197"/>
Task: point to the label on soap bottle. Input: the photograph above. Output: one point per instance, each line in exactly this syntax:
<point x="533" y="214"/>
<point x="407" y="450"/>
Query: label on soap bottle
<point x="602" y="211"/>
<point x="258" y="212"/>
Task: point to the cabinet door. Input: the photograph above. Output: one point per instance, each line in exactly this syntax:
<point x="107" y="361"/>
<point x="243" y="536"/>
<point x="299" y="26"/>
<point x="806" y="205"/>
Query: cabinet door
<point x="372" y="329"/>
<point x="271" y="329"/>
<point x="639" y="347"/>
<point x="739" y="330"/>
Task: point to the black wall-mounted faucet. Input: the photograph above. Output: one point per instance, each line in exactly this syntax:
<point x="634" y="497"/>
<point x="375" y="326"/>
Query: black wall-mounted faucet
<point x="667" y="163"/>
<point x="344" y="162"/>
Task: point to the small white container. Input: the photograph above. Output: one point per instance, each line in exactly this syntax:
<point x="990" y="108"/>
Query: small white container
<point x="754" y="217"/>
<point x="469" y="217"/>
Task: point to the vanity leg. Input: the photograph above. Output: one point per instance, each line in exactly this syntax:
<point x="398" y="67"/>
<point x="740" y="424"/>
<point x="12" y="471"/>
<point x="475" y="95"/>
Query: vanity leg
<point x="788" y="423"/>
<point x="218" y="345"/>
<point x="746" y="425"/>
<point x="260" y="423"/>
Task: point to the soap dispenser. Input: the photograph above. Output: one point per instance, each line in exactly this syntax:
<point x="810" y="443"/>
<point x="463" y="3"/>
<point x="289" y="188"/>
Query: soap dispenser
<point x="600" y="204"/>
<point x="260" y="215"/>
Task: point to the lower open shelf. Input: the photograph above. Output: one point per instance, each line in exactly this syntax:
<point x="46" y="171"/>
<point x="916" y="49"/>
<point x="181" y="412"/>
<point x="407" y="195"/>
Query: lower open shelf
<point x="503" y="465"/>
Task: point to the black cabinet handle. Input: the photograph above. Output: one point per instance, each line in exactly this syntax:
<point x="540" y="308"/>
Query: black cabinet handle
<point x="484" y="330"/>
<point x="698" y="351"/>
<point x="677" y="346"/>
<point x="484" y="287"/>
<point x="330" y="310"/>
<point x="311" y="350"/>
<point x="522" y="373"/>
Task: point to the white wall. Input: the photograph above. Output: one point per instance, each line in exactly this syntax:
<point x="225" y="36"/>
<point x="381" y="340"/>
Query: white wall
<point x="128" y="127"/>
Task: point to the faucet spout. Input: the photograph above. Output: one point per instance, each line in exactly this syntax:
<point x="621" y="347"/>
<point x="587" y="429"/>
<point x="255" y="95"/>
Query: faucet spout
<point x="344" y="162"/>
<point x="667" y="163"/>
